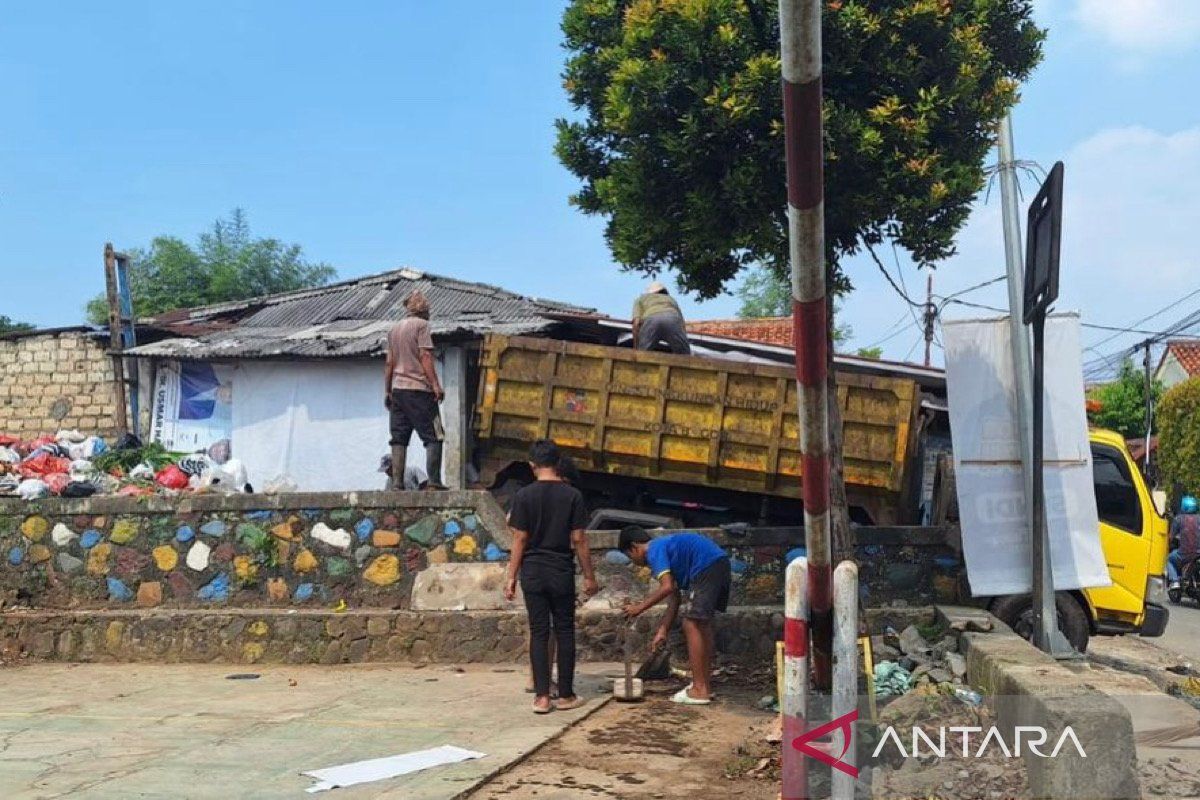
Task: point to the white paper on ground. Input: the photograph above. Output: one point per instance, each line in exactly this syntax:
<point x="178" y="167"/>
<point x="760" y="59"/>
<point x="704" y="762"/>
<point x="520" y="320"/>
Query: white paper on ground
<point x="377" y="769"/>
<point x="981" y="388"/>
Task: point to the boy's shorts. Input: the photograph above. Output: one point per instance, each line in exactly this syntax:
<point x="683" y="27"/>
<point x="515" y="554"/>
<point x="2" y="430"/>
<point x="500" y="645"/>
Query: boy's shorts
<point x="710" y="591"/>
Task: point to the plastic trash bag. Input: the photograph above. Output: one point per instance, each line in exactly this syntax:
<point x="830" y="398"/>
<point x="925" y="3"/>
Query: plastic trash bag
<point x="172" y="477"/>
<point x="891" y="679"/>
<point x="82" y="467"/>
<point x="69" y="437"/>
<point x="133" y="490"/>
<point x="9" y="484"/>
<point x="142" y="472"/>
<point x="196" y="464"/>
<point x="280" y="484"/>
<point x="9" y="456"/>
<point x="78" y="489"/>
<point x="227" y="477"/>
<point x="94" y="446"/>
<point x="129" y="442"/>
<point x="57" y="482"/>
<point x="33" y="489"/>
<point x="42" y="462"/>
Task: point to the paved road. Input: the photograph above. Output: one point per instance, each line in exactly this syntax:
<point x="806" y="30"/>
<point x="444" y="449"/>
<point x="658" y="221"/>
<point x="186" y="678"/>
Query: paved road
<point x="1183" y="632"/>
<point x="173" y="731"/>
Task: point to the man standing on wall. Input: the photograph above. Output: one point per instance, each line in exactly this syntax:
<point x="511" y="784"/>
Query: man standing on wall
<point x="413" y="391"/>
<point x="657" y="321"/>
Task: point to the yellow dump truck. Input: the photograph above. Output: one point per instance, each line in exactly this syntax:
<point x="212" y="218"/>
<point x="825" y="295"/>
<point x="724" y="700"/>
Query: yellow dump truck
<point x="646" y="426"/>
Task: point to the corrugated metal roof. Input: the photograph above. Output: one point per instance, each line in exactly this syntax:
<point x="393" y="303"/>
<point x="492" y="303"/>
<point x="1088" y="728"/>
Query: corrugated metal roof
<point x="348" y="319"/>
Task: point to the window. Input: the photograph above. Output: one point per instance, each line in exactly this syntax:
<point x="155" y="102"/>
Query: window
<point x="1116" y="496"/>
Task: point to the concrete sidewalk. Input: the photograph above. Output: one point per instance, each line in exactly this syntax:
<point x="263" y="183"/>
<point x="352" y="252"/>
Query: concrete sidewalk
<point x="186" y="731"/>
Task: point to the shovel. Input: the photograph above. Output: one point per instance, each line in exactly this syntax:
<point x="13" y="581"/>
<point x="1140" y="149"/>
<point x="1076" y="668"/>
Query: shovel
<point x="628" y="689"/>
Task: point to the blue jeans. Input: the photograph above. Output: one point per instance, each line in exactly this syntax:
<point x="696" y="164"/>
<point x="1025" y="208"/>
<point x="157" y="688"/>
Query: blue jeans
<point x="1175" y="562"/>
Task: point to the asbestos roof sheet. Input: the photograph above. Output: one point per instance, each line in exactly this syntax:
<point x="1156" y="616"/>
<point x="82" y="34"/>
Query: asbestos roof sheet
<point x="348" y="319"/>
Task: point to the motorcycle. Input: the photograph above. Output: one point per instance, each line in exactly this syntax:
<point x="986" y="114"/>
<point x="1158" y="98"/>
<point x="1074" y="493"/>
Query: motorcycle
<point x="1189" y="582"/>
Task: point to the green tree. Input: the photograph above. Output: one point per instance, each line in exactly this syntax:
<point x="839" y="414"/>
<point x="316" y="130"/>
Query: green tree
<point x="1179" y="436"/>
<point x="680" y="144"/>
<point x="764" y="293"/>
<point x="9" y="325"/>
<point x="227" y="263"/>
<point x="1121" y="405"/>
<point x="869" y="352"/>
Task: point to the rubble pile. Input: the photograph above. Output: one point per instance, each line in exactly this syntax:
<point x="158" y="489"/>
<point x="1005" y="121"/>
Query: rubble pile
<point x="907" y="660"/>
<point x="73" y="464"/>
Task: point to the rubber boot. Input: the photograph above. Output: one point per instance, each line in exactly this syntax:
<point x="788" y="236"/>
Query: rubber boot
<point x="399" y="456"/>
<point x="433" y="464"/>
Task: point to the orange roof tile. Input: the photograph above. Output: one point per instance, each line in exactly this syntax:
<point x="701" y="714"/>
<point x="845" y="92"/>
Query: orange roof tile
<point x="1187" y="353"/>
<point x="765" y="330"/>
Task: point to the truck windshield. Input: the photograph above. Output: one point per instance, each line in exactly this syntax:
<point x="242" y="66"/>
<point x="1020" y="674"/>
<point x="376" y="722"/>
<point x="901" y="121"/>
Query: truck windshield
<point x="1116" y="496"/>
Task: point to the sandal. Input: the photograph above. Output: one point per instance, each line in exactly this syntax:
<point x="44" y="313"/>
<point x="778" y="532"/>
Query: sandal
<point x="683" y="698"/>
<point x="542" y="709"/>
<point x="571" y="704"/>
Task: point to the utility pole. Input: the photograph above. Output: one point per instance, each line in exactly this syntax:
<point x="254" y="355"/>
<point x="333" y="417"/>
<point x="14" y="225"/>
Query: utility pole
<point x="1046" y="633"/>
<point x="1147" y="390"/>
<point x="800" y="48"/>
<point x="116" y="341"/>
<point x="930" y="316"/>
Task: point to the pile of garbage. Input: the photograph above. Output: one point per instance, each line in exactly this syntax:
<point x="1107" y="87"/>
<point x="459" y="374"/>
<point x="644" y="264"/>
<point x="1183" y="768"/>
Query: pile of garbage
<point x="907" y="660"/>
<point x="72" y="464"/>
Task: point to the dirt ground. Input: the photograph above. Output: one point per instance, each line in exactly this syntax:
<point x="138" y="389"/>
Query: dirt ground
<point x="681" y="752"/>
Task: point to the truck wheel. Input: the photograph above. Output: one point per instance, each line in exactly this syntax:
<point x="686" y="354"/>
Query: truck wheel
<point x="1016" y="611"/>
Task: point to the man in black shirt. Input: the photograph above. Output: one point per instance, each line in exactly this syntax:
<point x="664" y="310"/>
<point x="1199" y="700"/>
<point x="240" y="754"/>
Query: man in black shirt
<point x="547" y="520"/>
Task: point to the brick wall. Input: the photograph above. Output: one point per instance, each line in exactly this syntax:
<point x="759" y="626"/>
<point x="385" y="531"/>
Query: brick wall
<point x="55" y="380"/>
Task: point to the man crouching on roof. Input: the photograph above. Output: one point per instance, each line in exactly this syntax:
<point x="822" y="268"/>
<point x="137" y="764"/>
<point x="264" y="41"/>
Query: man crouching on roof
<point x="683" y="562"/>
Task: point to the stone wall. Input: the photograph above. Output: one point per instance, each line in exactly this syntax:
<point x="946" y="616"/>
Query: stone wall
<point x="309" y="636"/>
<point x="53" y="381"/>
<point x="360" y="549"/>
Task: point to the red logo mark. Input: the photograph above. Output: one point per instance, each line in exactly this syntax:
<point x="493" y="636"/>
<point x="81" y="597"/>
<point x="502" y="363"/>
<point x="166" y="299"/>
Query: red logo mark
<point x="818" y="750"/>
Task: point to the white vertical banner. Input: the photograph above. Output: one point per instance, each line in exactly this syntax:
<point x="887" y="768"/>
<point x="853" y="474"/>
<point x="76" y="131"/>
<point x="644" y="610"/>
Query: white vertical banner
<point x="981" y="388"/>
<point x="193" y="407"/>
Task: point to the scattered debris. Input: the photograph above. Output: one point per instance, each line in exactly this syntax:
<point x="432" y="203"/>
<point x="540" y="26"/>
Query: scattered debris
<point x="378" y="769"/>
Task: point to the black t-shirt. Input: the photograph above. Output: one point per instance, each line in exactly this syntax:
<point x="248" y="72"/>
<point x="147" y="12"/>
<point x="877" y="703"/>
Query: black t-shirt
<point x="548" y="511"/>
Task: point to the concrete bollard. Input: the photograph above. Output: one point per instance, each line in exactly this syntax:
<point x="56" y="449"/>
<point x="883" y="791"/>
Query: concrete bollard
<point x="794" y="703"/>
<point x="845" y="673"/>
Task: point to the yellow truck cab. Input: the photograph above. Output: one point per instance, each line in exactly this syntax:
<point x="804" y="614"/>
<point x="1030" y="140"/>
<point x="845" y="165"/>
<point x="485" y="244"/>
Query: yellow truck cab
<point x="1134" y="538"/>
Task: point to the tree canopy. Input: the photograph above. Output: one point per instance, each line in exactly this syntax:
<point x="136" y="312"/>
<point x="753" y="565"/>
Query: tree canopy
<point x="680" y="140"/>
<point x="1179" y="436"/>
<point x="10" y="325"/>
<point x="226" y="263"/>
<point x="1122" y="403"/>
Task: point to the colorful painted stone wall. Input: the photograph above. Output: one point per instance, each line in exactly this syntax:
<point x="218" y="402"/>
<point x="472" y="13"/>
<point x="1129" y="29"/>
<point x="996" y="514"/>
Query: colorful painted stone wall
<point x="360" y="549"/>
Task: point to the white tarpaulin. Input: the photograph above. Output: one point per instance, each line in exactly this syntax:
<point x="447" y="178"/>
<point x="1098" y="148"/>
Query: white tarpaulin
<point x="323" y="425"/>
<point x="981" y="388"/>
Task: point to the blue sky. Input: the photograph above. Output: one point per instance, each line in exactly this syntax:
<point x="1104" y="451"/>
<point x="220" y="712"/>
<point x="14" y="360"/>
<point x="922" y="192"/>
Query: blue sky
<point x="382" y="134"/>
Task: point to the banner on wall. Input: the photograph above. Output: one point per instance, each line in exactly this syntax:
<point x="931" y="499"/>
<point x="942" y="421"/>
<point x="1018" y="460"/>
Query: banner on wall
<point x="193" y="408"/>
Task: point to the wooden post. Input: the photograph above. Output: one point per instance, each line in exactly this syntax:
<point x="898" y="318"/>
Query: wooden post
<point x="115" y="343"/>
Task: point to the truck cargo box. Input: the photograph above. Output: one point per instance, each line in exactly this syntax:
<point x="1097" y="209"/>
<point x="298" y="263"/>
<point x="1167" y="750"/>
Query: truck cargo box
<point x="684" y="419"/>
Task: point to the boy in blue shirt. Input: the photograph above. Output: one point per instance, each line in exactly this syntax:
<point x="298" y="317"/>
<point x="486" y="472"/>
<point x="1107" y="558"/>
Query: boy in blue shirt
<point x="683" y="562"/>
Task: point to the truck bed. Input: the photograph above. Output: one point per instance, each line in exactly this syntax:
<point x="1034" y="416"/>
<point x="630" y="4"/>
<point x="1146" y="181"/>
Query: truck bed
<point x="683" y="419"/>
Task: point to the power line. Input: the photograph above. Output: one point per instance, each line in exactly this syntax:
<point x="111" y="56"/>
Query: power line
<point x="977" y="286"/>
<point x="1162" y="310"/>
<point x="903" y="294"/>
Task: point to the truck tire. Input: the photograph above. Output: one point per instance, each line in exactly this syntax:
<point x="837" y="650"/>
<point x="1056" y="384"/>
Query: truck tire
<point x="1016" y="611"/>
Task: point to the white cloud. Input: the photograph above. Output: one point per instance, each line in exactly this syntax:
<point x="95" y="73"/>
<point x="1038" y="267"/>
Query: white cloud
<point x="1142" y="26"/>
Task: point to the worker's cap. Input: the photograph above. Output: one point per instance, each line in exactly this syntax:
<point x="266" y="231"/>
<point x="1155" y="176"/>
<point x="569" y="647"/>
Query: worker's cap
<point x="656" y="288"/>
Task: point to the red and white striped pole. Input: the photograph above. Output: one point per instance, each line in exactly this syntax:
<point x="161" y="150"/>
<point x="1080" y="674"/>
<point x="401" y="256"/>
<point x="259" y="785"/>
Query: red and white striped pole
<point x="793" y="705"/>
<point x="800" y="34"/>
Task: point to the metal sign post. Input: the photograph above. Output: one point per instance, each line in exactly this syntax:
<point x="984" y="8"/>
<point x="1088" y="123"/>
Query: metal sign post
<point x="1043" y="238"/>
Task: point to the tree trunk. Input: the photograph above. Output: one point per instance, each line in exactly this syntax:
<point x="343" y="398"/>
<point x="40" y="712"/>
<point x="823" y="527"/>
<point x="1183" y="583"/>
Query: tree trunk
<point x="839" y="510"/>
